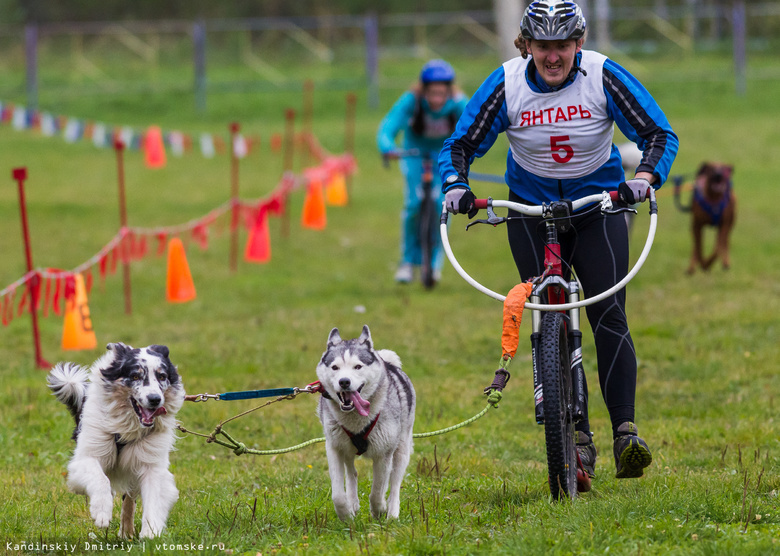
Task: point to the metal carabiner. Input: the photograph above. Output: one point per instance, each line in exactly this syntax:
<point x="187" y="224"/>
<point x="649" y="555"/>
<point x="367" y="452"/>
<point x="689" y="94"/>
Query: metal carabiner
<point x="201" y="397"/>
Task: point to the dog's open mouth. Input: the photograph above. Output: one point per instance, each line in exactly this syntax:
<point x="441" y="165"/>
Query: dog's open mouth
<point x="353" y="400"/>
<point x="146" y="416"/>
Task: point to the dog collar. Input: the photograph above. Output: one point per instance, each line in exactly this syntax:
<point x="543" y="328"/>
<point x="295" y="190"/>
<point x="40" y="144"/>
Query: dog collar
<point x="360" y="439"/>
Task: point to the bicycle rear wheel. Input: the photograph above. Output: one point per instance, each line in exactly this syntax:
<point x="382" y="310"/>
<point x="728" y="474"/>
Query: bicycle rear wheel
<point x="427" y="230"/>
<point x="555" y="371"/>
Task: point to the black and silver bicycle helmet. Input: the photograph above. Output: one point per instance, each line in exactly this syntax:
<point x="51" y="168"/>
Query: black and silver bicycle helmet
<point x="552" y="21"/>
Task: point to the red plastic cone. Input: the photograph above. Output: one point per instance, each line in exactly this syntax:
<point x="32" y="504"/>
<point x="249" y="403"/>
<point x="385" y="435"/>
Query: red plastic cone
<point x="314" y="216"/>
<point x="77" y="332"/>
<point x="154" y="150"/>
<point x="180" y="287"/>
<point x="258" y="246"/>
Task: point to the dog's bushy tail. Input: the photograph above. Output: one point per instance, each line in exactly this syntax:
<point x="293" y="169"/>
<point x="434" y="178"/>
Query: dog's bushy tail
<point x="68" y="382"/>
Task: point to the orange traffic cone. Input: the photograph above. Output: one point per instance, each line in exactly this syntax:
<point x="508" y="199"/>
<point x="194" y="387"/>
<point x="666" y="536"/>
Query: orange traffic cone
<point x="258" y="246"/>
<point x="336" y="188"/>
<point x="154" y="150"/>
<point x="77" y="332"/>
<point x="180" y="287"/>
<point x="336" y="192"/>
<point x="314" y="204"/>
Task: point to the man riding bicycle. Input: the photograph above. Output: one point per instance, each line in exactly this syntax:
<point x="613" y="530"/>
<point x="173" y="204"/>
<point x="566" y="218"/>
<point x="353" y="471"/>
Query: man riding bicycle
<point x="557" y="110"/>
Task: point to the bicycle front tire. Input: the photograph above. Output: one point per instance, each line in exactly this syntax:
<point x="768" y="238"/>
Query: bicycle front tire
<point x="555" y="371"/>
<point x="427" y="238"/>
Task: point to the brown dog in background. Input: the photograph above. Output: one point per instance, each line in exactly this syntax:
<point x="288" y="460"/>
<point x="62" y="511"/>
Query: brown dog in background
<point x="713" y="204"/>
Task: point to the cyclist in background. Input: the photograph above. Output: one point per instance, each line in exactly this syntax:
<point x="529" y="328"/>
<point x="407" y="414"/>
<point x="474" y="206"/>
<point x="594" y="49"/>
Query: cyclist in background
<point x="426" y="114"/>
<point x="557" y="109"/>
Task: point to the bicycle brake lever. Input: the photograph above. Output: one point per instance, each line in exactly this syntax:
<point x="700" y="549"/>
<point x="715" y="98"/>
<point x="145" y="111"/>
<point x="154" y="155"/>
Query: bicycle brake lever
<point x="492" y="219"/>
<point x="619" y="210"/>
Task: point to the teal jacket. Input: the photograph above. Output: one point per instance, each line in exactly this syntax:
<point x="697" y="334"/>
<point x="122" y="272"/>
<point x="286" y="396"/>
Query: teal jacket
<point x="438" y="125"/>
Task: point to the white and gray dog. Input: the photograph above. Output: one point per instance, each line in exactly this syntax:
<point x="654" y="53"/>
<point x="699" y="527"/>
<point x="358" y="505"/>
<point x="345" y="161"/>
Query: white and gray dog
<point x="125" y="411"/>
<point x="367" y="408"/>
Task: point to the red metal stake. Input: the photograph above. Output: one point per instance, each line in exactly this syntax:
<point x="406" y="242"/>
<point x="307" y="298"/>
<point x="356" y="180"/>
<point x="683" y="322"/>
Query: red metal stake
<point x="234" y="127"/>
<point x="119" y="148"/>
<point x="20" y="175"/>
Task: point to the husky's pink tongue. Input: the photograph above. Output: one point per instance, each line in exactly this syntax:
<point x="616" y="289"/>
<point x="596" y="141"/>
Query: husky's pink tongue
<point x="360" y="404"/>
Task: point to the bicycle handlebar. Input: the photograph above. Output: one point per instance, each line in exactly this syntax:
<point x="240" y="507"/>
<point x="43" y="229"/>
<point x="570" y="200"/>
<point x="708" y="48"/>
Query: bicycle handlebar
<point x="538" y="210"/>
<point x="605" y="198"/>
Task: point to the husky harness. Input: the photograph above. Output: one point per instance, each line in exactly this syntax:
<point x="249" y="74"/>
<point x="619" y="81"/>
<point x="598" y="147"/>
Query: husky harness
<point x="360" y="439"/>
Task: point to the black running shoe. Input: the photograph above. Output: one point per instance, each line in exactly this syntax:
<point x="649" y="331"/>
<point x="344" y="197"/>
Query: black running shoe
<point x="631" y="452"/>
<point x="586" y="455"/>
<point x="586" y="449"/>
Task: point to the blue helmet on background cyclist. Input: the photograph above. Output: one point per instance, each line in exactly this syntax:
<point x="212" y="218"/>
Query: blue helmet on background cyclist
<point x="437" y="71"/>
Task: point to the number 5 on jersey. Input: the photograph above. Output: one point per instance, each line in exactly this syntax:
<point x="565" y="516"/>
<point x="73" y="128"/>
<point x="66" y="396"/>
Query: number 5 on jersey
<point x="561" y="152"/>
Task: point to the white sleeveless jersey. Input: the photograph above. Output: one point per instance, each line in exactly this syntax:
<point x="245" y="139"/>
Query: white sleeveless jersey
<point x="564" y="134"/>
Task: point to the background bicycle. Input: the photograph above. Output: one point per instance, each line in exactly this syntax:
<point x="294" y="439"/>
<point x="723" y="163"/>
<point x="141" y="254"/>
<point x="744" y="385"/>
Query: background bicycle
<point x="425" y="214"/>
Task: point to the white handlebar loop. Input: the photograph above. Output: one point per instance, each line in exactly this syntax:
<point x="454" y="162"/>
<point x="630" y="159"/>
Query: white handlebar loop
<point x="605" y="201"/>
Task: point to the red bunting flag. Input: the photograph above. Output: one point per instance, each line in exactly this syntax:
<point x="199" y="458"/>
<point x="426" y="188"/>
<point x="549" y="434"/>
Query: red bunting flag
<point x="103" y="266"/>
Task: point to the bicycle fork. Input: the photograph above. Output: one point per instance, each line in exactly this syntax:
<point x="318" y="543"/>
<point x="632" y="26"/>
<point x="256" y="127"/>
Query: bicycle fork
<point x="574" y="337"/>
<point x="557" y="290"/>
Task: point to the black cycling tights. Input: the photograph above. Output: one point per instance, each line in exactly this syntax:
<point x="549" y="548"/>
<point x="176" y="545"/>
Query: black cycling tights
<point x="597" y="248"/>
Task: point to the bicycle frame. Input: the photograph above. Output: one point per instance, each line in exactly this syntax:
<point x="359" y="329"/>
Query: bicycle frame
<point x="559" y="291"/>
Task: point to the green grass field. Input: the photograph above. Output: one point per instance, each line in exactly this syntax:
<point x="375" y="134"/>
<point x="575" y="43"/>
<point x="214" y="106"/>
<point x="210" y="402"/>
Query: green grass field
<point x="707" y="345"/>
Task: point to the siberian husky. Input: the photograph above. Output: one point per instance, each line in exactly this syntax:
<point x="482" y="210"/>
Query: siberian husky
<point x="367" y="408"/>
<point x="125" y="411"/>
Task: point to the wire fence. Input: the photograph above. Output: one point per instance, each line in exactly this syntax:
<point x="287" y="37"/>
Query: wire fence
<point x="55" y="62"/>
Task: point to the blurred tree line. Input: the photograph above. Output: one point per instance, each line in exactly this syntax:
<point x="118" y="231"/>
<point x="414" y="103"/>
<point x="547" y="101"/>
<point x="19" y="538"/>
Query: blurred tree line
<point x="49" y="11"/>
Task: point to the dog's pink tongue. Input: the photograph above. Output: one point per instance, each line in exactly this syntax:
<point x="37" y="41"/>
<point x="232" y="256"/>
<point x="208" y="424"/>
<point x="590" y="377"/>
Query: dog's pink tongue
<point x="360" y="404"/>
<point x="148" y="415"/>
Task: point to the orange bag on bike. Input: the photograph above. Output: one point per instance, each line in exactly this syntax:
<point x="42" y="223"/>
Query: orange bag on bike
<point x="513" y="316"/>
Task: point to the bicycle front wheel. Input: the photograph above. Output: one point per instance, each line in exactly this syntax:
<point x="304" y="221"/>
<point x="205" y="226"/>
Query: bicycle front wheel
<point x="555" y="371"/>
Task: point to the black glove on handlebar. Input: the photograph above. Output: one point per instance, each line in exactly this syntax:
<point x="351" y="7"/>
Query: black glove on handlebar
<point x="460" y="200"/>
